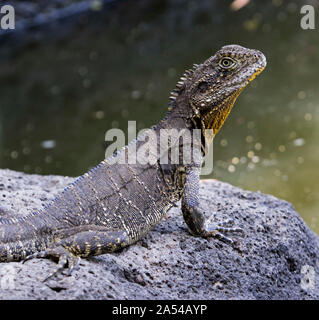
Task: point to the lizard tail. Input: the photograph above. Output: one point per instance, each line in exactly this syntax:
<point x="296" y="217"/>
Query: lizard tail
<point x="16" y="251"/>
<point x="19" y="240"/>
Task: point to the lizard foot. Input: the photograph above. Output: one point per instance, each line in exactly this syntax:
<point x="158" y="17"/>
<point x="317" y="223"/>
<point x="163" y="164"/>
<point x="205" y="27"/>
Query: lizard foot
<point x="218" y="230"/>
<point x="65" y="259"/>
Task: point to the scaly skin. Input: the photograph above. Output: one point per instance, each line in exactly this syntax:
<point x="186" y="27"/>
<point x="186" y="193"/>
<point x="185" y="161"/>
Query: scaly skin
<point x="114" y="204"/>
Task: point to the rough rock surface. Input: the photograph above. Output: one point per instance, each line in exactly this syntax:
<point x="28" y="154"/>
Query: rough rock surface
<point x="267" y="263"/>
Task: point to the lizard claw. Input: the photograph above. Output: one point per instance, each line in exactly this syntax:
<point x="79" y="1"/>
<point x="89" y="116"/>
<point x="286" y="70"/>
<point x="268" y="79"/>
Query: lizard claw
<point x="65" y="258"/>
<point x="218" y="230"/>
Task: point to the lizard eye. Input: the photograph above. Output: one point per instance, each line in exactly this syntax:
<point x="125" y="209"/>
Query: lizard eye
<point x="227" y="63"/>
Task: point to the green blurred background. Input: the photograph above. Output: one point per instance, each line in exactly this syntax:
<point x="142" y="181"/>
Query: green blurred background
<point x="59" y="95"/>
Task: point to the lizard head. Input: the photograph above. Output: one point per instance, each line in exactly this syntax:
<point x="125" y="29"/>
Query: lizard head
<point x="213" y="86"/>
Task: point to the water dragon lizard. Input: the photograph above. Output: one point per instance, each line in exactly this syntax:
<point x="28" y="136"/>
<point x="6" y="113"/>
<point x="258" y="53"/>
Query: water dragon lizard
<point x="115" y="204"/>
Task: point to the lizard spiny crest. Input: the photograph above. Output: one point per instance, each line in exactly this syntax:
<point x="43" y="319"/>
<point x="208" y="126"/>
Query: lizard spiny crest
<point x="180" y="86"/>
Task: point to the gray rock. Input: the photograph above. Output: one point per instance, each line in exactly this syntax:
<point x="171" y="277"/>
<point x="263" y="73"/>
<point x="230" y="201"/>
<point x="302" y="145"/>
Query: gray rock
<point x="277" y="258"/>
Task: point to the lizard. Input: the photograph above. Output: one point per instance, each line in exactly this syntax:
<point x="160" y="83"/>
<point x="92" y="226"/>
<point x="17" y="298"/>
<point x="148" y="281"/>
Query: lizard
<point x="115" y="204"/>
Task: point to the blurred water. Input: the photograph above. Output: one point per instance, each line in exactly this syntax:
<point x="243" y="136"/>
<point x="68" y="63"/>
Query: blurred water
<point x="59" y="97"/>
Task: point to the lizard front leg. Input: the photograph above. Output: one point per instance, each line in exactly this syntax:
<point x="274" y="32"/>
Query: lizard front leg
<point x="197" y="223"/>
<point x="82" y="241"/>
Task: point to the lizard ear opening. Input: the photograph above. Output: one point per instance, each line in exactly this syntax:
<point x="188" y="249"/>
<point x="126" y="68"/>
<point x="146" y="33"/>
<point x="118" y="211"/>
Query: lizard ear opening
<point x="203" y="87"/>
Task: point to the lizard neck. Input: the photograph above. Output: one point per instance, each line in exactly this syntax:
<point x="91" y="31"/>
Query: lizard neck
<point x="214" y="118"/>
<point x="182" y="115"/>
<point x="177" y="117"/>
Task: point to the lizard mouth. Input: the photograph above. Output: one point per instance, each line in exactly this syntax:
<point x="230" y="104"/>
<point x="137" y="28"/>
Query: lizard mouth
<point x="256" y="73"/>
<point x="261" y="65"/>
<point x="259" y="69"/>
